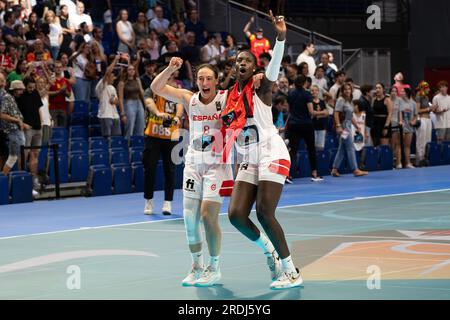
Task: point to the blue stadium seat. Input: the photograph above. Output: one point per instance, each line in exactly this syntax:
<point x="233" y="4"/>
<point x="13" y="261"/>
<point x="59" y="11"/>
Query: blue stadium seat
<point x="78" y="132"/>
<point x="137" y="141"/>
<point x="323" y="163"/>
<point x="81" y="107"/>
<point x="95" y="130"/>
<point x="4" y="196"/>
<point x="118" y="142"/>
<point x="79" y="119"/>
<point x="386" y="158"/>
<point x="98" y="143"/>
<point x="79" y="166"/>
<point x="98" y="157"/>
<point x="119" y="155"/>
<point x="303" y="164"/>
<point x="93" y="118"/>
<point x="433" y="154"/>
<point x="100" y="180"/>
<point x="60" y="133"/>
<point x="21" y="184"/>
<point x="138" y="176"/>
<point x="63" y="146"/>
<point x="94" y="106"/>
<point x="122" y="178"/>
<point x="63" y="166"/>
<point x="331" y="142"/>
<point x="433" y="135"/>
<point x="371" y="161"/>
<point x="79" y="144"/>
<point x="42" y="159"/>
<point x="446" y="153"/>
<point x="136" y="154"/>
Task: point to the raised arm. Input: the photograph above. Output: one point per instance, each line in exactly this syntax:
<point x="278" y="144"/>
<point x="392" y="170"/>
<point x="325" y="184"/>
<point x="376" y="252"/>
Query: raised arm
<point x="247" y="27"/>
<point x="161" y="88"/>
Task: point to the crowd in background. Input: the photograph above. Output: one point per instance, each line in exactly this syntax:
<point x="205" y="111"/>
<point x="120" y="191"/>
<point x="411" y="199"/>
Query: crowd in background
<point x="54" y="53"/>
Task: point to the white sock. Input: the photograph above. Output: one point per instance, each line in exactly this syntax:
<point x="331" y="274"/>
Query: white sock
<point x="214" y="262"/>
<point x="287" y="265"/>
<point x="197" y="259"/>
<point x="264" y="243"/>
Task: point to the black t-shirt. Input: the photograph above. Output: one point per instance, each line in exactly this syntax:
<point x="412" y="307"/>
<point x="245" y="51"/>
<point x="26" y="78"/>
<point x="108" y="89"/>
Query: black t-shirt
<point x="320" y="123"/>
<point x="79" y="40"/>
<point x="146" y="81"/>
<point x="367" y="107"/>
<point x="165" y="59"/>
<point x="29" y="105"/>
<point x="192" y="54"/>
<point x="7" y="31"/>
<point x="298" y="100"/>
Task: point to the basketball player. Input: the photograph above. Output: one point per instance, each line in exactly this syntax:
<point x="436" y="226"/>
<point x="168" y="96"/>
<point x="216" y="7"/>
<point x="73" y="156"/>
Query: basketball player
<point x="266" y="160"/>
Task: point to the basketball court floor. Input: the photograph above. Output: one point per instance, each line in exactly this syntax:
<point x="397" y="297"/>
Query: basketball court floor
<point x="385" y="236"/>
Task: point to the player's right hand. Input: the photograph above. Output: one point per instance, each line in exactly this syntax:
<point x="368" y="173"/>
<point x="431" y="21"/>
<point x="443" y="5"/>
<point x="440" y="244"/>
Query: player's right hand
<point x="175" y="64"/>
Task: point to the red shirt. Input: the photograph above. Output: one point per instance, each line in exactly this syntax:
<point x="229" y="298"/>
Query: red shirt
<point x="5" y="62"/>
<point x="258" y="46"/>
<point x="58" y="102"/>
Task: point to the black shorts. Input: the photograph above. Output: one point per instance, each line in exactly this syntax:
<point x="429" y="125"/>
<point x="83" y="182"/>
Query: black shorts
<point x="378" y="127"/>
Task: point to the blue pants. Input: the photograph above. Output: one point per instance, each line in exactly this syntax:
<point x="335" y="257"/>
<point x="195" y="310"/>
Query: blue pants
<point x="346" y="146"/>
<point x="135" y="118"/>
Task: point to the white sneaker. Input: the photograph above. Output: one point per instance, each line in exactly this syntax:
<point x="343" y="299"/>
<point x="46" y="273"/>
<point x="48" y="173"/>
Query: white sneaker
<point x="209" y="277"/>
<point x="167" y="208"/>
<point x="287" y="280"/>
<point x="410" y="166"/>
<point x="35" y="193"/>
<point x="316" y="179"/>
<point x="273" y="261"/>
<point x="192" y="277"/>
<point x="148" y="207"/>
<point x="289" y="180"/>
<point x="399" y="167"/>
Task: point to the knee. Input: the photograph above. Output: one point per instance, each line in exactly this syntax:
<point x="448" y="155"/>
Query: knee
<point x="235" y="216"/>
<point x="264" y="215"/>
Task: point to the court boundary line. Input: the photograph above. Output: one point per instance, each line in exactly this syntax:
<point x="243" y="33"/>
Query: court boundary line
<point x="181" y="218"/>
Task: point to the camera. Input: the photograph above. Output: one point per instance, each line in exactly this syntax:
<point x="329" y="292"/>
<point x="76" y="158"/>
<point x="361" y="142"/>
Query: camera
<point x="167" y="123"/>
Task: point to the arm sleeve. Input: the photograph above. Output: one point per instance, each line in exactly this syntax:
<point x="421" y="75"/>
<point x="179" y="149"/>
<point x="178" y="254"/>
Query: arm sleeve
<point x="273" y="69"/>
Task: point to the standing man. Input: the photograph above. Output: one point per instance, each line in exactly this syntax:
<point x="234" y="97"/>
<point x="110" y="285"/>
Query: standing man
<point x="258" y="44"/>
<point x="308" y="56"/>
<point x="441" y="102"/>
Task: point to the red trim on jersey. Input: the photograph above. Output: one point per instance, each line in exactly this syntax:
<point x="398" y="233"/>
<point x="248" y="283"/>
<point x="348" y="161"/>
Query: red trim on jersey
<point x="227" y="183"/>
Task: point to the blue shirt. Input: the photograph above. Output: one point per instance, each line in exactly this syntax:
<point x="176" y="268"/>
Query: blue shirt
<point x="298" y="100"/>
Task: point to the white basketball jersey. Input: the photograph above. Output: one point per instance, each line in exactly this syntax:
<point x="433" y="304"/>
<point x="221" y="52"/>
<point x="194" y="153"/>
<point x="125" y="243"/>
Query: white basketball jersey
<point x="204" y="124"/>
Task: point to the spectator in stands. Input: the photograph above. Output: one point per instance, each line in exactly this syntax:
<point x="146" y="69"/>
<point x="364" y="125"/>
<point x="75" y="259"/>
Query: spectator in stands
<point x="101" y="63"/>
<point x="320" y="121"/>
<point x="308" y="84"/>
<point x="264" y="60"/>
<point x="280" y="113"/>
<point x="291" y="73"/>
<point x="343" y="117"/>
<point x="85" y="72"/>
<point x="190" y="50"/>
<point x="68" y="33"/>
<point x="9" y="35"/>
<point x="396" y="123"/>
<point x="46" y="120"/>
<point x="193" y="24"/>
<point x="331" y="63"/>
<point x="131" y="97"/>
<point x="161" y="136"/>
<point x="283" y="87"/>
<point x="340" y="80"/>
<point x="307" y="56"/>
<point x="6" y="64"/>
<point x="300" y="125"/>
<point x="320" y="81"/>
<point x="149" y="74"/>
<point x="97" y="36"/>
<point x="12" y="123"/>
<point x="29" y="103"/>
<point x="186" y="74"/>
<point x="76" y="19"/>
<point x="71" y="6"/>
<point x="356" y="91"/>
<point x="172" y="33"/>
<point x="303" y="69"/>
<point x="124" y="30"/>
<point x="20" y="71"/>
<point x="441" y="103"/>
<point x="228" y="78"/>
<point x="423" y="133"/>
<point x="140" y="27"/>
<point x="159" y="24"/>
<point x="69" y="74"/>
<point x="366" y="106"/>
<point x="231" y="47"/>
<point x="409" y="114"/>
<point x="154" y="45"/>
<point x="329" y="71"/>
<point x="56" y="33"/>
<point x="211" y="53"/>
<point x="382" y="113"/>
<point x="32" y="26"/>
<point x="179" y="9"/>
<point x="58" y="91"/>
<point x="399" y="82"/>
<point x="108" y="102"/>
<point x="258" y="43"/>
<point x="38" y="48"/>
